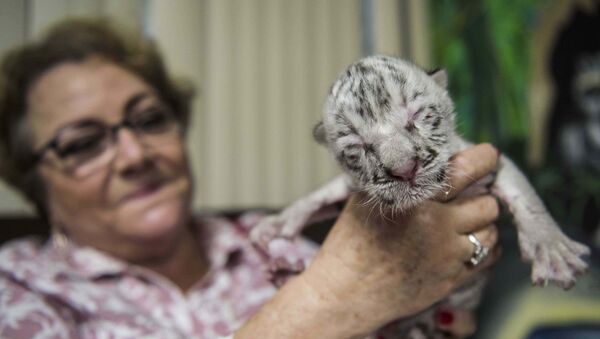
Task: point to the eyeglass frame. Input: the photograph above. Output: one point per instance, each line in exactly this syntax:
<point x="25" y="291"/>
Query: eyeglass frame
<point x="113" y="129"/>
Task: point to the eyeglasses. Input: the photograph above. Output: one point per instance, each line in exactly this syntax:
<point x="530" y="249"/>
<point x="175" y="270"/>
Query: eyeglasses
<point x="88" y="146"/>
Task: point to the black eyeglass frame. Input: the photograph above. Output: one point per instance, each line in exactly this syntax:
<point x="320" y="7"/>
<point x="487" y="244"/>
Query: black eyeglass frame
<point x="126" y="122"/>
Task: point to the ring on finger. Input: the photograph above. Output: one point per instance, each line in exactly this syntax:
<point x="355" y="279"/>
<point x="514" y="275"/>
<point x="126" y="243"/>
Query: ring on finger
<point x="480" y="252"/>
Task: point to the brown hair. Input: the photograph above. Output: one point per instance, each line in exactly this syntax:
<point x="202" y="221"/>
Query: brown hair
<point x="74" y="40"/>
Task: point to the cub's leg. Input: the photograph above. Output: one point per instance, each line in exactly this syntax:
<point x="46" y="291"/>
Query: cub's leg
<point x="289" y="223"/>
<point x="553" y="255"/>
<point x="286" y="225"/>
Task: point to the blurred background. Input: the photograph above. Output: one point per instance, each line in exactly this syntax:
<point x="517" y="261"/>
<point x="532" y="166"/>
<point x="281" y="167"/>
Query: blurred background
<point x="525" y="76"/>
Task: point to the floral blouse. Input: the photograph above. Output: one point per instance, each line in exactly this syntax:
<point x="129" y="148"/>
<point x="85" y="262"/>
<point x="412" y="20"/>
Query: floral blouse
<point x="69" y="291"/>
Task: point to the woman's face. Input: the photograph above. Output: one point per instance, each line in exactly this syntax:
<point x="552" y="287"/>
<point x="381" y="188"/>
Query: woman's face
<point x="138" y="199"/>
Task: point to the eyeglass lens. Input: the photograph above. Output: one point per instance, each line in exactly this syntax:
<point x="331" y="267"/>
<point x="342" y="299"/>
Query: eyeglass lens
<point x="86" y="148"/>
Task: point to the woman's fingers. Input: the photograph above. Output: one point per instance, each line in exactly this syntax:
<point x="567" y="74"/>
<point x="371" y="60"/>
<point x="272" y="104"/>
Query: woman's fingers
<point x="487" y="237"/>
<point x="469" y="215"/>
<point x="467" y="167"/>
<point x="470" y="271"/>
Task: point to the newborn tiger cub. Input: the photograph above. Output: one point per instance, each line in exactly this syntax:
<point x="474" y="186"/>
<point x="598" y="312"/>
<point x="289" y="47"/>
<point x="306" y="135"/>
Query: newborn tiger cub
<point x="390" y="125"/>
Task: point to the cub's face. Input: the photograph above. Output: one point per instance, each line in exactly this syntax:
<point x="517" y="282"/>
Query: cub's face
<point x="388" y="124"/>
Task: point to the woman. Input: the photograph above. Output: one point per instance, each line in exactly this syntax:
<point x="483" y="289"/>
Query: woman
<point x="92" y="133"/>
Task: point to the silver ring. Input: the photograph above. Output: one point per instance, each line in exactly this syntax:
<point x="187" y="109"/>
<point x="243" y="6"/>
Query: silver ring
<point x="480" y="252"/>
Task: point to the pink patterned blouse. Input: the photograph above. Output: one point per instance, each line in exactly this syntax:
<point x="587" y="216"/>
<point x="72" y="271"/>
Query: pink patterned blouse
<point x="49" y="291"/>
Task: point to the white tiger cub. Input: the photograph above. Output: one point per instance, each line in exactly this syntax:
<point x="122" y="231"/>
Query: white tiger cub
<point x="390" y="125"/>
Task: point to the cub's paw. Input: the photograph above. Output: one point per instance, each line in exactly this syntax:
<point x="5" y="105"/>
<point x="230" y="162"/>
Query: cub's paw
<point x="286" y="225"/>
<point x="559" y="261"/>
<point x="266" y="230"/>
<point x="281" y="270"/>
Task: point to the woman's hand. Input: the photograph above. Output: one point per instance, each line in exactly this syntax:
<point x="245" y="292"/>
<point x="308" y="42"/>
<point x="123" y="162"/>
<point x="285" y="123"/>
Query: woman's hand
<point x="375" y="266"/>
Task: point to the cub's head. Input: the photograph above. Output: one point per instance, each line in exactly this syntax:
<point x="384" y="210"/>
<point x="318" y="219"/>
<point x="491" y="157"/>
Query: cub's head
<point x="388" y="124"/>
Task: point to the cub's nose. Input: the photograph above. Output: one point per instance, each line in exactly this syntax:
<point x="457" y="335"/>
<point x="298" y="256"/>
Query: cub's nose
<point x="405" y="172"/>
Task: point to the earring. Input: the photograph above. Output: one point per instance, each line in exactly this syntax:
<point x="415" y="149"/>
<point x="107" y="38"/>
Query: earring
<point x="60" y="241"/>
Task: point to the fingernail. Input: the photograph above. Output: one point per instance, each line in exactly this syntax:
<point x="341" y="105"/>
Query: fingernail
<point x="444" y="318"/>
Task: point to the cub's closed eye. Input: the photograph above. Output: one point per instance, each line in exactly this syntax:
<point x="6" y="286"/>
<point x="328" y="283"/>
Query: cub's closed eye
<point x="412" y="116"/>
<point x="416" y="95"/>
<point x="350" y="141"/>
<point x="416" y="113"/>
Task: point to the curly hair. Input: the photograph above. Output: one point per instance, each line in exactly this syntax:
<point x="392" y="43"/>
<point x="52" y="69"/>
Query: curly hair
<point x="74" y="40"/>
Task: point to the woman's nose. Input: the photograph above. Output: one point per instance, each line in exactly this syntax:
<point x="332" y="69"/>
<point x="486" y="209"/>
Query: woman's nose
<point x="130" y="152"/>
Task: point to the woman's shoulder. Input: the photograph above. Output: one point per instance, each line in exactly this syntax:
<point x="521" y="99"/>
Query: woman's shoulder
<point x="31" y="263"/>
<point x="21" y="261"/>
<point x="17" y="251"/>
<point x="24" y="313"/>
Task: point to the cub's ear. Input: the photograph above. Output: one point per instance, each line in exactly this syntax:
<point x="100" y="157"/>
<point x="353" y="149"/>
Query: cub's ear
<point x="440" y="76"/>
<point x="319" y="133"/>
